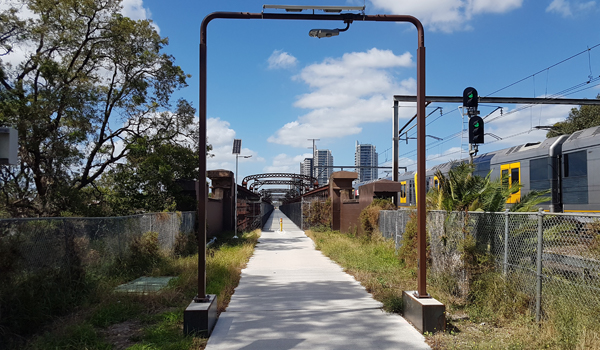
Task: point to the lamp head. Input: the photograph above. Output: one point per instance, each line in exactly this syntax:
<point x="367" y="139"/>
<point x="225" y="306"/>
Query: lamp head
<point x="323" y="33"/>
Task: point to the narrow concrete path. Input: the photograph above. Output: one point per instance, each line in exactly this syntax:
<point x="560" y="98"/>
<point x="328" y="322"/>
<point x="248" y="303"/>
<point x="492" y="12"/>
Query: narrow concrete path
<point x="291" y="296"/>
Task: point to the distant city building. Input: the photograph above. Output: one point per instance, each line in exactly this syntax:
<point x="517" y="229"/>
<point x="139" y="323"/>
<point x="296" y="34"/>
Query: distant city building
<point x="306" y="167"/>
<point x="365" y="156"/>
<point x="323" y="163"/>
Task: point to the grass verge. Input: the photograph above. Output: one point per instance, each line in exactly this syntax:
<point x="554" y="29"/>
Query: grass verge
<point x="129" y="321"/>
<point x="503" y="321"/>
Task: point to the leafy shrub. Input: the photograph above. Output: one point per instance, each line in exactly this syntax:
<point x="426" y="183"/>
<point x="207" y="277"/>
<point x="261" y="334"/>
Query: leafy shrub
<point x="186" y="244"/>
<point x="369" y="217"/>
<point x="408" y="250"/>
<point x="142" y="256"/>
<point x="318" y="214"/>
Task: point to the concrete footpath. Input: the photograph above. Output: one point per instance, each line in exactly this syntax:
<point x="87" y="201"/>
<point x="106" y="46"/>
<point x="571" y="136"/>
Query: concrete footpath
<point x="291" y="296"/>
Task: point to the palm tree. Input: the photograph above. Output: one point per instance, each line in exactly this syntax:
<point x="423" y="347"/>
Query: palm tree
<point x="460" y="190"/>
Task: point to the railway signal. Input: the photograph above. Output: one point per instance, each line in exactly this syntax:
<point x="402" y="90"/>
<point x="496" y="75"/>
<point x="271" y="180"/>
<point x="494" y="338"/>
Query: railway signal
<point x="470" y="98"/>
<point x="476" y="129"/>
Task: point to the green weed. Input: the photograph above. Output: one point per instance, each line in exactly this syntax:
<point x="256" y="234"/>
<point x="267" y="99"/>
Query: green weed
<point x="75" y="337"/>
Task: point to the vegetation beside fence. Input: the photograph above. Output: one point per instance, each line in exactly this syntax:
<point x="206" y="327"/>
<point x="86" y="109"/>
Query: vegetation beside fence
<point x="494" y="315"/>
<point x="71" y="303"/>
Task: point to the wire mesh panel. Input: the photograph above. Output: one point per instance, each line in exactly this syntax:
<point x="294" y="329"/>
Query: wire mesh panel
<point x="392" y="224"/>
<point x="294" y="212"/>
<point x="571" y="260"/>
<point x="546" y="258"/>
<point x="265" y="212"/>
<point x="316" y="212"/>
<point x="36" y="244"/>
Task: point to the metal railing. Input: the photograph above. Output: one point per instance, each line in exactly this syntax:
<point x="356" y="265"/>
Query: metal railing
<point x="543" y="254"/>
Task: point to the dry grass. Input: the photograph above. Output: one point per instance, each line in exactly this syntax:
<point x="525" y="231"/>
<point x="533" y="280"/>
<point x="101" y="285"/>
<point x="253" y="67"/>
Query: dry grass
<point x="495" y="315"/>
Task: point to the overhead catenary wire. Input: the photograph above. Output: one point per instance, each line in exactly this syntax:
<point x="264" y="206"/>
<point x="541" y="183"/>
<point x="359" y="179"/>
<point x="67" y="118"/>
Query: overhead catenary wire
<point x="552" y="66"/>
<point x="566" y="92"/>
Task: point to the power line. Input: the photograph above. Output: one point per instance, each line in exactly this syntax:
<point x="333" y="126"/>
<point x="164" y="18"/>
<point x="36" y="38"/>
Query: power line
<point x="552" y="66"/>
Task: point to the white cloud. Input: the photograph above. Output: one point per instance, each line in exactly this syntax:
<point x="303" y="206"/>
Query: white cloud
<point x="561" y="7"/>
<point x="282" y="163"/>
<point x="448" y="155"/>
<point x="586" y="6"/>
<point x="221" y="136"/>
<point x="281" y="60"/>
<point x="347" y="92"/>
<point x="568" y="8"/>
<point x="446" y="15"/>
<point x="520" y="123"/>
<point x="135" y="9"/>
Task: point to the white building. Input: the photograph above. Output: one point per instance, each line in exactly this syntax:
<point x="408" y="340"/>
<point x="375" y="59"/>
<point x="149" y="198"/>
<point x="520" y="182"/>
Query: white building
<point x="365" y="156"/>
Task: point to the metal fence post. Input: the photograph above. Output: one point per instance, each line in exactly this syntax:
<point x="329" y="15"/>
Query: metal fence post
<point x="505" y="242"/>
<point x="538" y="289"/>
<point x="302" y="214"/>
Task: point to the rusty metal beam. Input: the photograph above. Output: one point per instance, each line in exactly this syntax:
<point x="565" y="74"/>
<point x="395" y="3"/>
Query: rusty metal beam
<point x="503" y="100"/>
<point x="202" y="192"/>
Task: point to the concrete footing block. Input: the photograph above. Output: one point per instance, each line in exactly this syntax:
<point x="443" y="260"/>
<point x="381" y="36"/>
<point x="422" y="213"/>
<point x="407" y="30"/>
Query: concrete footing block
<point x="426" y="314"/>
<point x="200" y="318"/>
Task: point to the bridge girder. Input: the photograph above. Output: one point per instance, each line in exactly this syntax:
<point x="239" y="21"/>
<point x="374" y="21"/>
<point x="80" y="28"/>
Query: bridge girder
<point x="306" y="179"/>
<point x="259" y="183"/>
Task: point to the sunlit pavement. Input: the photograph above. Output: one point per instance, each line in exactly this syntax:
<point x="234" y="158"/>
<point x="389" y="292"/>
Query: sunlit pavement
<point x="293" y="297"/>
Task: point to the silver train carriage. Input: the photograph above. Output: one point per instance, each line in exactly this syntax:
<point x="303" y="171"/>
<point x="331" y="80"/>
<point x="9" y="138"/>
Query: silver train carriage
<point x="564" y="165"/>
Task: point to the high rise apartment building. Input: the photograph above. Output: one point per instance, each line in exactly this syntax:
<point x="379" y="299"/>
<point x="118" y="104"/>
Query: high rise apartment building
<point x="323" y="161"/>
<point x="306" y="167"/>
<point x="366" y="157"/>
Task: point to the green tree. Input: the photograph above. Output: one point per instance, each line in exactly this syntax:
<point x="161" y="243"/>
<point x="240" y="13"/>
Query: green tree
<point x="147" y="181"/>
<point x="92" y="81"/>
<point x="579" y="118"/>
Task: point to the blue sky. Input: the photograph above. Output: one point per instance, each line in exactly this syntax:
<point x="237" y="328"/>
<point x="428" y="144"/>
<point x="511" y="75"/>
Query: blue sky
<point x="274" y="87"/>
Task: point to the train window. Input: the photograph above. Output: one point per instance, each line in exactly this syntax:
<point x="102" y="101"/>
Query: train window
<point x="575" y="164"/>
<point x="538" y="169"/>
<point x="403" y="190"/>
<point x="514" y="176"/>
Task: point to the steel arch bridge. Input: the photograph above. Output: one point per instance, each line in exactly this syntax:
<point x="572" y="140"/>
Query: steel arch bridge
<point x="259" y="183"/>
<point x="298" y="184"/>
<point x="298" y="177"/>
<point x="279" y="193"/>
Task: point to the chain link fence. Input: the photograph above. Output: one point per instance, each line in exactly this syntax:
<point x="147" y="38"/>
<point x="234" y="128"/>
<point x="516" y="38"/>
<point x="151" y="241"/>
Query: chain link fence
<point x="41" y="243"/>
<point x="547" y="257"/>
<point x="294" y="212"/>
<point x="309" y="213"/>
<point x="48" y="265"/>
<point x="265" y="211"/>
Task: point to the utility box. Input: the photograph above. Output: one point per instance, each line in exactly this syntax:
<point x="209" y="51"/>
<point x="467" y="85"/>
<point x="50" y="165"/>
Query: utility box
<point x="9" y="146"/>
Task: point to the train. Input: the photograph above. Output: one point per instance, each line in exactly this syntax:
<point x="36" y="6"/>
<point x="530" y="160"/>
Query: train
<point x="565" y="165"/>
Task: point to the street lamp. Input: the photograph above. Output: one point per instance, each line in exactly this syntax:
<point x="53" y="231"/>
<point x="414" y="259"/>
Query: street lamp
<point x="201" y="297"/>
<point x="237" y="155"/>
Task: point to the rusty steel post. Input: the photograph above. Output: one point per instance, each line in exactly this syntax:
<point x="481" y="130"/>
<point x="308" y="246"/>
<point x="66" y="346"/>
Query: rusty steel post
<point x="421" y="159"/>
<point x="202" y="192"/>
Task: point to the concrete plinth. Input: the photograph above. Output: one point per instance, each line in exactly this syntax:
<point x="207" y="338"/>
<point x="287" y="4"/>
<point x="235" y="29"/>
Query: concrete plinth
<point x="426" y="314"/>
<point x="200" y="318"/>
